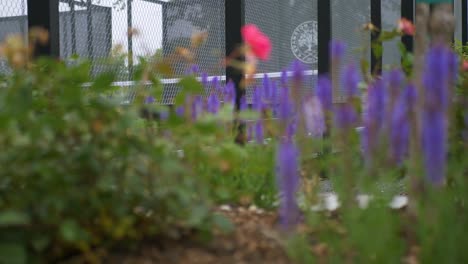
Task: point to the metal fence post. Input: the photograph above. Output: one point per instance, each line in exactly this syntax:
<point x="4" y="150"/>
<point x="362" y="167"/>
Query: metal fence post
<point x="464" y="18"/>
<point x="324" y="35"/>
<point x="376" y="20"/>
<point x="45" y="14"/>
<point x="130" y="38"/>
<point x="234" y="20"/>
<point x="407" y="11"/>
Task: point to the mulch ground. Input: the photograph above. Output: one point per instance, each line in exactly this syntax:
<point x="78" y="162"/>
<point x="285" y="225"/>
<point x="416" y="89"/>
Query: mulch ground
<point x="254" y="240"/>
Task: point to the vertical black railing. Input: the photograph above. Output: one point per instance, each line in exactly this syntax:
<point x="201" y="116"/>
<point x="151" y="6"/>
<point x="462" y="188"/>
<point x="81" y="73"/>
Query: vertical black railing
<point x="464" y="19"/>
<point x="376" y="20"/>
<point x="234" y="20"/>
<point x="407" y="11"/>
<point x="71" y="3"/>
<point x="130" y="38"/>
<point x="324" y="35"/>
<point x="89" y="28"/>
<point x="45" y="14"/>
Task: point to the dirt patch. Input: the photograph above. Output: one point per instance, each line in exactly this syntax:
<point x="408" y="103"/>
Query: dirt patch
<point x="252" y="241"/>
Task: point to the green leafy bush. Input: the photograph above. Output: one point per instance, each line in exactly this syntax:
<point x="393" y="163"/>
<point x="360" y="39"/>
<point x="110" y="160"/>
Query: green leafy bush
<point x="80" y="172"/>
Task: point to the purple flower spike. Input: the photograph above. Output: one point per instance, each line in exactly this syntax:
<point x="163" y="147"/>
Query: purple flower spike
<point x="345" y="116"/>
<point x="259" y="133"/>
<point x="285" y="109"/>
<point x="197" y="107"/>
<point x="375" y="111"/>
<point x="314" y="118"/>
<point x="266" y="87"/>
<point x="288" y="182"/>
<point x="395" y="79"/>
<point x="243" y="103"/>
<point x="194" y="69"/>
<point x="436" y="80"/>
<point x="284" y="79"/>
<point x="229" y="92"/>
<point x="274" y="96"/>
<point x="213" y="103"/>
<point x="180" y="111"/>
<point x="324" y="92"/>
<point x="337" y="49"/>
<point x="434" y="145"/>
<point x="215" y="85"/>
<point x="204" y="80"/>
<point x="257" y="103"/>
<point x="350" y="80"/>
<point x="298" y="69"/>
<point x="437" y="77"/>
<point x="400" y="128"/>
<point x="150" y="100"/>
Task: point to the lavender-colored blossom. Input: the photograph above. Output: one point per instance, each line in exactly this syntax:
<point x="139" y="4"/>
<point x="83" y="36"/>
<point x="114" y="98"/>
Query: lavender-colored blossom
<point x="291" y="129"/>
<point x="395" y="79"/>
<point x="324" y="92"/>
<point x="266" y="87"/>
<point x="284" y="79"/>
<point x="400" y="126"/>
<point x="288" y="182"/>
<point x="374" y="117"/>
<point x="229" y="92"/>
<point x="215" y="84"/>
<point x="180" y="111"/>
<point x="274" y="97"/>
<point x="150" y="100"/>
<point x="193" y="69"/>
<point x="213" y="103"/>
<point x="285" y="109"/>
<point x="297" y="69"/>
<point x="436" y="79"/>
<point x="204" y="80"/>
<point x="314" y="117"/>
<point x="375" y="109"/>
<point x="259" y="132"/>
<point x="350" y="80"/>
<point x="197" y="107"/>
<point x="257" y="101"/>
<point x="337" y="50"/>
<point x="243" y="103"/>
<point x="345" y="116"/>
<point x="434" y="136"/>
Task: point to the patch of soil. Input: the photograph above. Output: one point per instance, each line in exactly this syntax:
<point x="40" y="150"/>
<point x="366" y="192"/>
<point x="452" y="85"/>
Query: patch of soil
<point x="254" y="240"/>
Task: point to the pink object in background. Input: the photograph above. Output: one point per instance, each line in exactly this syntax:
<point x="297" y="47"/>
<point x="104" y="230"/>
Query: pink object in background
<point x="258" y="42"/>
<point x="406" y="26"/>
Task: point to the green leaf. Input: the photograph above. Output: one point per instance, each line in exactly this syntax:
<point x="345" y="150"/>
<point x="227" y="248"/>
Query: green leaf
<point x="70" y="231"/>
<point x="189" y="85"/>
<point x="13" y="218"/>
<point x="103" y="82"/>
<point x="198" y="215"/>
<point x="222" y="223"/>
<point x="11" y="253"/>
<point x="249" y="115"/>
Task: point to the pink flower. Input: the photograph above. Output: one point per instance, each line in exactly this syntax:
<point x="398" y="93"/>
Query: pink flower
<point x="258" y="42"/>
<point x="465" y="66"/>
<point x="406" y="26"/>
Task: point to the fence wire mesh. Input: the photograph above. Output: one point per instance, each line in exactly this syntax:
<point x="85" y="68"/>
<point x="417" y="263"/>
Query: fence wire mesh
<point x="13" y="20"/>
<point x="391" y="13"/>
<point x="292" y="28"/>
<point x="348" y="18"/>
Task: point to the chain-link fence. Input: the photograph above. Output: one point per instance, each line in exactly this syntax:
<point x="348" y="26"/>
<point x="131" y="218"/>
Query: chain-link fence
<point x="13" y="20"/>
<point x="391" y="13"/>
<point x="92" y="28"/>
<point x="292" y="28"/>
